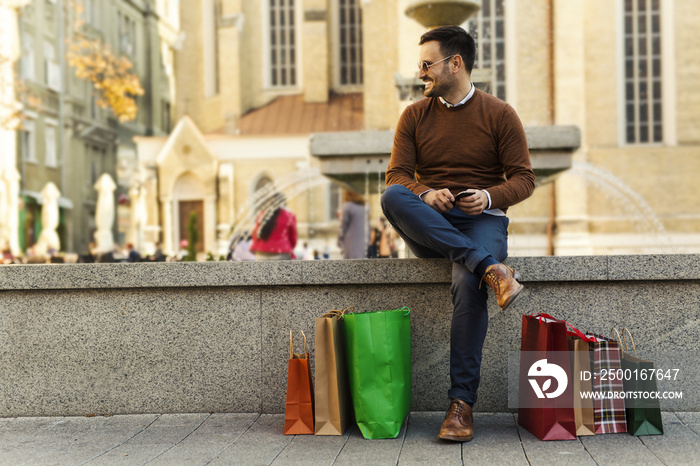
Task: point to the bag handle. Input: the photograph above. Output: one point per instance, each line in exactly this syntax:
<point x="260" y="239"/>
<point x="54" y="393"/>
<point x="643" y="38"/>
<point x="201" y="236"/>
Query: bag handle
<point x="405" y="308"/>
<point x="291" y="345"/>
<point x="575" y="331"/>
<point x="542" y="314"/>
<point x="625" y="329"/>
<point x="580" y="334"/>
<point x="619" y="338"/>
<point x="339" y="314"/>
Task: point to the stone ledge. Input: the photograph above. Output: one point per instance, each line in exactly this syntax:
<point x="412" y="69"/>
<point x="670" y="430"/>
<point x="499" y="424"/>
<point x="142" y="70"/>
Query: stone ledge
<point x="80" y="339"/>
<point x="346" y="272"/>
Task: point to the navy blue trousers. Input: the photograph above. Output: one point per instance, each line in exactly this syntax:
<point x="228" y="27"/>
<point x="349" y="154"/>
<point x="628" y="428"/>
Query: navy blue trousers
<point x="466" y="240"/>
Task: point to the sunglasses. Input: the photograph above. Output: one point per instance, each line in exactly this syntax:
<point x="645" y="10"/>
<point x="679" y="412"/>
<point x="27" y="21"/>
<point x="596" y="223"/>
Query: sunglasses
<point x="425" y="65"/>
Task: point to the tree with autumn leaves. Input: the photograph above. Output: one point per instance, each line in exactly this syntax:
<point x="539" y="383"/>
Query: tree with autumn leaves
<point x="111" y="75"/>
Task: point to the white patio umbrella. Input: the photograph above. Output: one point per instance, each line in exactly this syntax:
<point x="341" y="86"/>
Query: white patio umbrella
<point x="104" y="214"/>
<point x="48" y="239"/>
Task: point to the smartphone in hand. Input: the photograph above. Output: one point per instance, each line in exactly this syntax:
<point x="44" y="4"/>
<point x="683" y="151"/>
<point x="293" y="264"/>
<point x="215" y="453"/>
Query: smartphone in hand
<point x="462" y="194"/>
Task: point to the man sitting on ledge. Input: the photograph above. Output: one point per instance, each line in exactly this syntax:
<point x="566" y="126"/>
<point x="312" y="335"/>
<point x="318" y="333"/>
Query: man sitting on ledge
<point x="458" y="140"/>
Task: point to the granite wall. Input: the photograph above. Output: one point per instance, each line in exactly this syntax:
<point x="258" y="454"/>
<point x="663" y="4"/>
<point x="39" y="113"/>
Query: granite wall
<point x="78" y="339"/>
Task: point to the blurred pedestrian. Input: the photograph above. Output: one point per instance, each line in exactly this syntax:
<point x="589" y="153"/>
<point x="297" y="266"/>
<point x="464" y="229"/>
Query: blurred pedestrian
<point x="305" y="252"/>
<point x="183" y="252"/>
<point x="108" y="256"/>
<point x="91" y="255"/>
<point x="386" y="239"/>
<point x="275" y="233"/>
<point x="157" y="255"/>
<point x="353" y="237"/>
<point x="241" y="247"/>
<point x="132" y="255"/>
<point x="375" y="236"/>
<point x="7" y="256"/>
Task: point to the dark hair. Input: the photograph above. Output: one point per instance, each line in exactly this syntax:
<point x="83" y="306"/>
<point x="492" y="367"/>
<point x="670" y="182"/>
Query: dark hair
<point x="269" y="217"/>
<point x="352" y="196"/>
<point x="453" y="40"/>
<point x="269" y="225"/>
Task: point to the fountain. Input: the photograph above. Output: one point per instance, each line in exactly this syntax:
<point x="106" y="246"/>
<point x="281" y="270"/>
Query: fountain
<point x="348" y="158"/>
<point x="291" y="185"/>
<point x="433" y="13"/>
<point x="631" y="204"/>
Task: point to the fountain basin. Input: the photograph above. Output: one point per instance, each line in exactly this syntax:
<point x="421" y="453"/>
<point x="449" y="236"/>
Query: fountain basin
<point x="433" y="13"/>
<point x="355" y="158"/>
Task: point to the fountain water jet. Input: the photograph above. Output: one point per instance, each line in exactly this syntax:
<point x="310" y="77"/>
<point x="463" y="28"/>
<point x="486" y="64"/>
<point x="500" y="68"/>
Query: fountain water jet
<point x="631" y="202"/>
<point x="291" y="185"/>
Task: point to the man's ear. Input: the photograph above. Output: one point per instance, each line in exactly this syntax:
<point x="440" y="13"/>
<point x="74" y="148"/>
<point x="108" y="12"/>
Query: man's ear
<point x="456" y="64"/>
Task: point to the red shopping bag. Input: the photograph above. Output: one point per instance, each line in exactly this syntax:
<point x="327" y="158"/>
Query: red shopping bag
<point x="545" y="405"/>
<point x="299" y="411"/>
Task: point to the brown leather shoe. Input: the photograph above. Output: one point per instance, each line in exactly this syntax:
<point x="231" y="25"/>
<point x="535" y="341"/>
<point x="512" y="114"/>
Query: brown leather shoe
<point x="503" y="280"/>
<point x="458" y="425"/>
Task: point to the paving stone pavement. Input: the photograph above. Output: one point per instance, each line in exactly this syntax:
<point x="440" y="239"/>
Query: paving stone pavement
<point x="257" y="439"/>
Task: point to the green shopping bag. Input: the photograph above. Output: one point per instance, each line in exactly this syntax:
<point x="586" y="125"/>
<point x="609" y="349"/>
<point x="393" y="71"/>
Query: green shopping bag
<point x="643" y="414"/>
<point x="378" y="352"/>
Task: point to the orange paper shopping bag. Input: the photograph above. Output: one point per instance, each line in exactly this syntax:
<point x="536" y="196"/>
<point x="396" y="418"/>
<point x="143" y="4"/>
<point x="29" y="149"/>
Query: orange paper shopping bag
<point x="299" y="411"/>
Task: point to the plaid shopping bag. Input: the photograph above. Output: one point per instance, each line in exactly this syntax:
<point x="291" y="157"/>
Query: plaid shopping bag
<point x="609" y="409"/>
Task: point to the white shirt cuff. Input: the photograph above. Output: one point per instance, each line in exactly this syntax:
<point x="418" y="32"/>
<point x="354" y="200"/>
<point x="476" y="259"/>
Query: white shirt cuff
<point x="426" y="191"/>
<point x="489" y="196"/>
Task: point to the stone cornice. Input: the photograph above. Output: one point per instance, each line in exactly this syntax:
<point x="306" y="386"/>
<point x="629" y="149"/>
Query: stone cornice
<point x="337" y="272"/>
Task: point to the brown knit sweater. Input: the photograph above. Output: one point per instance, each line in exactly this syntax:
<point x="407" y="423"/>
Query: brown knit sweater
<point x="480" y="145"/>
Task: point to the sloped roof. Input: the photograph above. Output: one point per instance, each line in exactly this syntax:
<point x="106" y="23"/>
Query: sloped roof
<point x="184" y="128"/>
<point x="291" y="115"/>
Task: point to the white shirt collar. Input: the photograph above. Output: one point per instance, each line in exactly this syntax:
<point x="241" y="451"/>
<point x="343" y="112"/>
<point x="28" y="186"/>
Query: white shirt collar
<point x="461" y="102"/>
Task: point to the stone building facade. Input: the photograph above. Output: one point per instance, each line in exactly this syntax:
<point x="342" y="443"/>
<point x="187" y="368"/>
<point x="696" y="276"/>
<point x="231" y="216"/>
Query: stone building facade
<point x="622" y="71"/>
<point x="68" y="140"/>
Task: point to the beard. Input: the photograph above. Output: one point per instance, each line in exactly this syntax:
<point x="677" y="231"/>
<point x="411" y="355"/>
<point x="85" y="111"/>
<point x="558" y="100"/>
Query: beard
<point x="440" y="87"/>
<point x="432" y="92"/>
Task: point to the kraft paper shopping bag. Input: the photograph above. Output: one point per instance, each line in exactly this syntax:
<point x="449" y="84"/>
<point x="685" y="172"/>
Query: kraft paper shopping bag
<point x="333" y="406"/>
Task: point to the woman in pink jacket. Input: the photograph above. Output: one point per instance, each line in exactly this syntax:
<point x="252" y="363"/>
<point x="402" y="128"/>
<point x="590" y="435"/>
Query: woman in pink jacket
<point x="275" y="233"/>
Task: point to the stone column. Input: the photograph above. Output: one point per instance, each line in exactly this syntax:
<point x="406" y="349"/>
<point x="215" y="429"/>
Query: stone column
<point x="4" y="210"/>
<point x="168" y="241"/>
<point x="231" y="25"/>
<point x="315" y="51"/>
<point x="11" y="180"/>
<point x="225" y="205"/>
<point x="139" y="216"/>
<point x="573" y="236"/>
<point x="210" y="244"/>
<point x="9" y="177"/>
<point x="152" y="226"/>
<point x="132" y="234"/>
<point x="381" y="55"/>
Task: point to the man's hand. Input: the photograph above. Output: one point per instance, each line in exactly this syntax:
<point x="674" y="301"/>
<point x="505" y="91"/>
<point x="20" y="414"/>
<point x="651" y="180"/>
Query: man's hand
<point x="474" y="204"/>
<point x="439" y="199"/>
